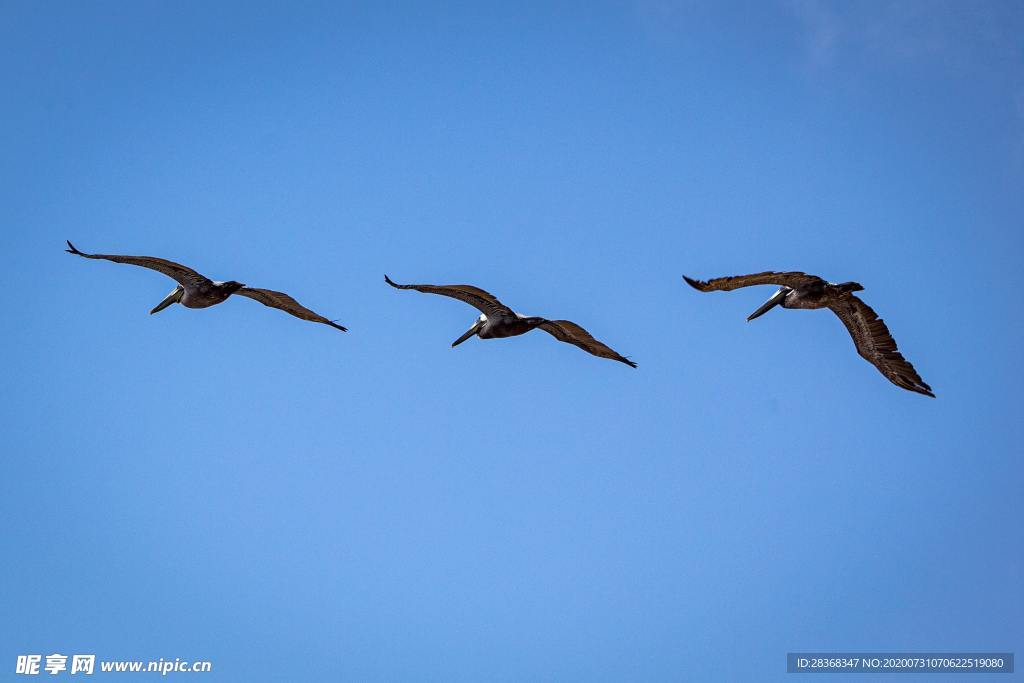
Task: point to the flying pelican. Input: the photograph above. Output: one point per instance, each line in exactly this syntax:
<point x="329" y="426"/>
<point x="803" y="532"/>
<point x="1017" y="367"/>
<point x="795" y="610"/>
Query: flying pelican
<point x="799" y="290"/>
<point x="498" y="320"/>
<point x="196" y="291"/>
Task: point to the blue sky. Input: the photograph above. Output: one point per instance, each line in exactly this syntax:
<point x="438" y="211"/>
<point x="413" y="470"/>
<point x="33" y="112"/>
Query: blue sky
<point x="293" y="503"/>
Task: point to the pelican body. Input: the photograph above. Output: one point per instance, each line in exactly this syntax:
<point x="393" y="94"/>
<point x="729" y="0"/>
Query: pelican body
<point x="500" y="327"/>
<point x="870" y="335"/>
<point x="203" y="295"/>
<point x="497" y="320"/>
<point x="814" y="295"/>
<point x="197" y="291"/>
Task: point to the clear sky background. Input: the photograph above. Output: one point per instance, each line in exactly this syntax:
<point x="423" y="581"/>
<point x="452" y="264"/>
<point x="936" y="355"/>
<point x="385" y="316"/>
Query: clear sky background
<point x="295" y="503"/>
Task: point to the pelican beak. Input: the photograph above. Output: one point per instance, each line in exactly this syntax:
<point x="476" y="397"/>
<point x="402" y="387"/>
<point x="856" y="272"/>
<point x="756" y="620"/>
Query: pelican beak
<point x="774" y="301"/>
<point x="469" y="333"/>
<point x="171" y="298"/>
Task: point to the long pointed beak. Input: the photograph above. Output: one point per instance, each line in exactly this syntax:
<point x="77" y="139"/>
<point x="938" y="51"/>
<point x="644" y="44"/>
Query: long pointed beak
<point x="774" y="301"/>
<point x="469" y="333"/>
<point x="168" y="300"/>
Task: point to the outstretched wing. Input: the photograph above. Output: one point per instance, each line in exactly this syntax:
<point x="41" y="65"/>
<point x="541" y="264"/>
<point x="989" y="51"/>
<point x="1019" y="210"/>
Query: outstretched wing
<point x="485" y="302"/>
<point x="184" y="276"/>
<point x="571" y="333"/>
<point x="282" y="301"/>
<point x="875" y="344"/>
<point x="726" y="284"/>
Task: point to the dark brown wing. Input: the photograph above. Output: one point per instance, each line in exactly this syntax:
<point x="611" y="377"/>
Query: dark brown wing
<point x="282" y="301"/>
<point x="875" y="343"/>
<point x="570" y="332"/>
<point x="727" y="284"/>
<point x="485" y="302"/>
<point x="184" y="276"/>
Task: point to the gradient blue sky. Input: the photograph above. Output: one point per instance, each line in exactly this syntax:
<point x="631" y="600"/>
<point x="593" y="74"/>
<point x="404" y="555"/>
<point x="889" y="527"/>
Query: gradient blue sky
<point x="294" y="503"/>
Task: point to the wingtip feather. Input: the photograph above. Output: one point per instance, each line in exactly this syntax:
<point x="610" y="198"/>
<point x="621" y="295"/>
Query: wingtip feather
<point x="696" y="284"/>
